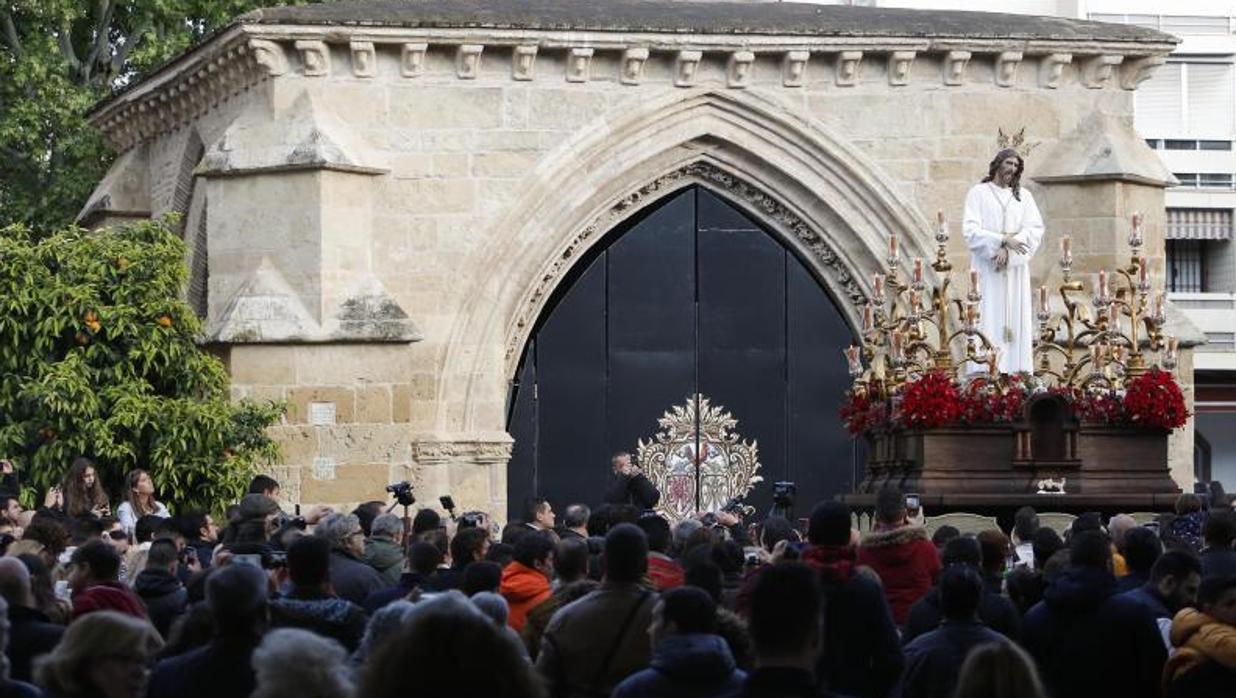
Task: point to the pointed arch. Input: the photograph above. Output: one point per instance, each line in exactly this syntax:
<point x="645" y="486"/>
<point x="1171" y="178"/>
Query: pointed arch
<point x="819" y="195"/>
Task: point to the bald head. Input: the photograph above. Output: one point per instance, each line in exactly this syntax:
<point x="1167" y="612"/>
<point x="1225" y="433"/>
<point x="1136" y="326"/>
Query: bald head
<point x="14" y="582"/>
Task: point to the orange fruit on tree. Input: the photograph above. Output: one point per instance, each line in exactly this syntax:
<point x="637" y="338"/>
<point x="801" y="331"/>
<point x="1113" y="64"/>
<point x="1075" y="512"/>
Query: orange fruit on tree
<point x="165" y="321"/>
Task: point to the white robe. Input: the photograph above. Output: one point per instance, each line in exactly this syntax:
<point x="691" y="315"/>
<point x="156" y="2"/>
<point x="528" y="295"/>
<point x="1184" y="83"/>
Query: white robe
<point x="1007" y="301"/>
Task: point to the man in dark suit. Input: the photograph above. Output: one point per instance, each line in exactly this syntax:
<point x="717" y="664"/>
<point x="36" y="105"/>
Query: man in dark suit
<point x="629" y="485"/>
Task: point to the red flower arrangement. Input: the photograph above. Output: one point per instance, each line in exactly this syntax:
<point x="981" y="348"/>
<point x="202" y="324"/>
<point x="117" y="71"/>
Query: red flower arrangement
<point x="1154" y="400"/>
<point x="985" y="402"/>
<point x="860" y="413"/>
<point x="931" y="401"/>
<point x="1103" y="407"/>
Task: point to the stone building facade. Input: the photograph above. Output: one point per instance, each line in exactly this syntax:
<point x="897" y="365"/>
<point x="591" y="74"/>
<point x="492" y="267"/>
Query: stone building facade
<point x="380" y="198"/>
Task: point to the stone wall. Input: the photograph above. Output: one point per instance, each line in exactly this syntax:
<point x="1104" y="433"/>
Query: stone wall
<point x="454" y="177"/>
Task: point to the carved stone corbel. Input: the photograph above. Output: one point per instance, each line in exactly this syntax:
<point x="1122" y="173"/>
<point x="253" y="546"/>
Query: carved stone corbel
<point x="1137" y="71"/>
<point x="1051" y="69"/>
<point x="269" y="56"/>
<point x="523" y="62"/>
<point x="794" y="68"/>
<point x="314" y="58"/>
<point x="899" y="64"/>
<point x="632" y="67"/>
<point x="412" y="60"/>
<point x="738" y="69"/>
<point x="468" y="61"/>
<point x="849" y="64"/>
<point x="685" y="68"/>
<point x="1007" y="63"/>
<point x="1097" y="71"/>
<point x="579" y="63"/>
<point x="955" y="67"/>
<point x="364" y="59"/>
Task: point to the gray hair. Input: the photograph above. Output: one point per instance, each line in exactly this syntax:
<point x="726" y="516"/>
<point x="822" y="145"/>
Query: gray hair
<point x="294" y="663"/>
<point x="448" y="603"/>
<point x="683" y="530"/>
<point x="492" y="605"/>
<point x="576" y="515"/>
<point x="388" y="525"/>
<point x="383" y="624"/>
<point x="335" y="528"/>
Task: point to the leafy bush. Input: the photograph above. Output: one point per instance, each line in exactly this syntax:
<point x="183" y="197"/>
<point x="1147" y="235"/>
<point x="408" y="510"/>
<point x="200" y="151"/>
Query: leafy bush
<point x="98" y="358"/>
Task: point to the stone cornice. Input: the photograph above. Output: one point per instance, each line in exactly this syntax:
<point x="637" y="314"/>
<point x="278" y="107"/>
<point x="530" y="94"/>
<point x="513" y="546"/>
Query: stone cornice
<point x="244" y="55"/>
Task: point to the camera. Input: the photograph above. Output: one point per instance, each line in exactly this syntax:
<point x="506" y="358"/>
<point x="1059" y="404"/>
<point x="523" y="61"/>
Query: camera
<point x="734" y="506"/>
<point x="783" y="494"/>
<point x="472" y="519"/>
<point x="448" y="503"/>
<point x="402" y="492"/>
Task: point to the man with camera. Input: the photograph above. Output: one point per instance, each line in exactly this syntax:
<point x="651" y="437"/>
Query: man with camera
<point x="629" y="485"/>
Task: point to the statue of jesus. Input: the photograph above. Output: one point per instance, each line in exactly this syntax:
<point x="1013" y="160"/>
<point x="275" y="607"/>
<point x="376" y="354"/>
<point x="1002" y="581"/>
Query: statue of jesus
<point x="1003" y="229"/>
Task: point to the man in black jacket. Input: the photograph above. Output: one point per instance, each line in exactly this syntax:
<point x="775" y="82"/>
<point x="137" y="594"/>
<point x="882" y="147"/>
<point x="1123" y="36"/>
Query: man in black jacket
<point x="994" y="611"/>
<point x="354" y="580"/>
<point x="31" y="634"/>
<point x="629" y="485"/>
<point x="159" y="587"/>
<point x="236" y="597"/>
<point x="1218" y="557"/>
<point x="310" y="603"/>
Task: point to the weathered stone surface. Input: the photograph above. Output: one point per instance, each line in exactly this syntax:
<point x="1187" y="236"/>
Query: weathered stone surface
<point x="300" y="398"/>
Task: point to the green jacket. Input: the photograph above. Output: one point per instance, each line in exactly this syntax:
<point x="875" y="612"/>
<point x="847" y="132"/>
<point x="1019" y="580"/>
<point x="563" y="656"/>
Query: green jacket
<point x="385" y="556"/>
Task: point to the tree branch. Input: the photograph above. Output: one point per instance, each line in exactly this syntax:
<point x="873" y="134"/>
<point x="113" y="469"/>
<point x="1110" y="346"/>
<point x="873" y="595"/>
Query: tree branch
<point x="66" y="47"/>
<point x="10" y="32"/>
<point x="130" y="42"/>
<point x="102" y="37"/>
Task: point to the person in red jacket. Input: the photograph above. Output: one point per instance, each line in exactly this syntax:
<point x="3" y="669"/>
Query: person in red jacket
<point x="525" y="581"/>
<point x="901" y="553"/>
<point x="663" y="570"/>
<point x="94" y="571"/>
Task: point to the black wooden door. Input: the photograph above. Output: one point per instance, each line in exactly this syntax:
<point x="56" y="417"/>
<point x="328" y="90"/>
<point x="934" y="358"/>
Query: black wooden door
<point x="691" y="299"/>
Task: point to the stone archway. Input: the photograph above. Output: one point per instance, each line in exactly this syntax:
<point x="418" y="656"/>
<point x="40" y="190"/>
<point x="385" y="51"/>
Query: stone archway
<point x="820" y="196"/>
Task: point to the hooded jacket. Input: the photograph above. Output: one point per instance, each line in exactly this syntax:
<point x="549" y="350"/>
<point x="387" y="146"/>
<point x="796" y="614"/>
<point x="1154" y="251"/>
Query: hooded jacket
<point x="1200" y="642"/>
<point x="1089" y="641"/>
<point x="685" y="666"/>
<point x="523" y="588"/>
<point x="329" y="616"/>
<point x="995" y="611"/>
<point x="907" y="563"/>
<point x="385" y="556"/>
<point x="108" y="596"/>
<point x="665" y="572"/>
<point x="933" y="660"/>
<point x="165" y="597"/>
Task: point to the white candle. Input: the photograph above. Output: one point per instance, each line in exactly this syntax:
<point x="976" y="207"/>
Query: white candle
<point x="1103" y="284"/>
<point x="868" y="318"/>
<point x="940" y="218"/>
<point x="892" y="246"/>
<point x="971" y="316"/>
<point x="916" y="300"/>
<point x="1043" y="297"/>
<point x="974" y="281"/>
<point x="879" y="288"/>
<point x="1065" y="247"/>
<point x="896" y="340"/>
<point x="1096" y="356"/>
<point x="852" y="357"/>
<point x="1141" y="271"/>
<point x="918" y="270"/>
<point x="1173" y="345"/>
<point x="1135" y="238"/>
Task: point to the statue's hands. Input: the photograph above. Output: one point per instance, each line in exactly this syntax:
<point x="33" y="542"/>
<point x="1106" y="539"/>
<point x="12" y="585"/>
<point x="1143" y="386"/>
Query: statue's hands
<point x="1002" y="258"/>
<point x="1018" y="246"/>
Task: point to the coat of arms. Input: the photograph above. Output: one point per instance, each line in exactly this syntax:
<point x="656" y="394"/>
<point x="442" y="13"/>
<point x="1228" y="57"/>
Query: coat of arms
<point x="696" y="460"/>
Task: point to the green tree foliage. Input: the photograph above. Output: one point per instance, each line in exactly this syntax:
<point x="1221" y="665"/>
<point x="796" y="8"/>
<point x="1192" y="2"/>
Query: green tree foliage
<point x="98" y="358"/>
<point x="57" y="59"/>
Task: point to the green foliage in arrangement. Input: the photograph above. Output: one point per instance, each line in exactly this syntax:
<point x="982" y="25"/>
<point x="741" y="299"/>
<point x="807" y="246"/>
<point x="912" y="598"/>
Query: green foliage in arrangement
<point x="98" y="358"/>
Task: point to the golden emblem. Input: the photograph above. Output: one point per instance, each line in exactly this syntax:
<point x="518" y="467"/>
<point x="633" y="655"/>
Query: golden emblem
<point x="696" y="461"/>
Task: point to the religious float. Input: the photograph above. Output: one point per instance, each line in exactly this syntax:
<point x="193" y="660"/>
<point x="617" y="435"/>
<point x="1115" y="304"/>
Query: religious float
<point x="1086" y="430"/>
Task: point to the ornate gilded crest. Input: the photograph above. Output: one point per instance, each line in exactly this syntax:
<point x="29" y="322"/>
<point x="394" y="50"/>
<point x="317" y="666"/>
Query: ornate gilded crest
<point x="697" y="461"/>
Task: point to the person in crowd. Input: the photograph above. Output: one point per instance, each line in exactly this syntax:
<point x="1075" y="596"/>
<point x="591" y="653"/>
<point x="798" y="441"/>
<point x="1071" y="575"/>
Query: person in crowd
<point x="264" y="485"/>
<point x="423" y="559"/>
<point x="663" y="570"/>
<point x="384" y="547"/>
<point x="900" y="553"/>
<point x="498" y="610"/>
<point x="538" y="515"/>
<point x="58" y="610"/>
<point x="353" y="580"/>
<point x="570" y="583"/>
<point x="30" y="633"/>
<point x="994" y="610"/>
<point x="311" y="603"/>
<point x="485" y="575"/>
<point x="1189" y="521"/>
<point x="82" y="493"/>
<point x="599" y="640"/>
<point x="999" y="670"/>
<point x="236" y="601"/>
<point x="1118" y="528"/>
<point x="688" y="657"/>
<point x="1171" y="586"/>
<point x="682" y="531"/>
<point x="525" y="582"/>
<point x="468" y="653"/>
<point x="1025" y="524"/>
<point x="295" y="663"/>
<point x="1141" y="548"/>
<point x="1204" y="663"/>
<point x="1088" y="639"/>
<point x="257" y="517"/>
<point x="159" y="587"/>
<point x="1025" y="583"/>
<point x="629" y="485"/>
<point x="425" y="521"/>
<point x="943" y="535"/>
<point x="368" y="512"/>
<point x="384" y="623"/>
<point x="995" y="549"/>
<point x="933" y="659"/>
<point x="1218" y="557"/>
<point x="469" y="545"/>
<point x="139" y="500"/>
<point x="200" y="533"/>
<point x="94" y="571"/>
<point x="9" y="686"/>
<point x="101" y="654"/>
<point x="575" y="522"/>
<point x="11" y="514"/>
<point x="49" y="533"/>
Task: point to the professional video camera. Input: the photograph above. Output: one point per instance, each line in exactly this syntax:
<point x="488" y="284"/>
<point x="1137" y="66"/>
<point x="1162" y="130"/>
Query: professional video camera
<point x="402" y="492"/>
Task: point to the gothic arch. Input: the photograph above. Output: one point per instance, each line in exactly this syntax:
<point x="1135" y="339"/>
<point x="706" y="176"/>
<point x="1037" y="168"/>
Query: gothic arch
<point x="819" y="195"/>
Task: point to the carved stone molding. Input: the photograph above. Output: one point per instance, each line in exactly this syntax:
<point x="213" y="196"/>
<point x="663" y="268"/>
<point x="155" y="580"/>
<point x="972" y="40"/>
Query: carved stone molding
<point x="579" y="65"/>
<point x="412" y="60"/>
<point x="524" y="62"/>
<point x="1006" y="68"/>
<point x="1097" y="71"/>
<point x="955" y="67"/>
<point x="314" y="58"/>
<point x="468" y="61"/>
<point x="794" y="68"/>
<point x="1135" y="72"/>
<point x="849" y="65"/>
<point x="1051" y="69"/>
<point x="738" y="69"/>
<point x="480" y="452"/>
<point x="686" y="65"/>
<point x="364" y="59"/>
<point x="269" y="55"/>
<point x="899" y="64"/>
<point x="763" y="204"/>
<point x="633" y="62"/>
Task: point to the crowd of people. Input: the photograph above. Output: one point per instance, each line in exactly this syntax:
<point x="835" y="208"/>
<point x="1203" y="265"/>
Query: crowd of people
<point x="613" y="601"/>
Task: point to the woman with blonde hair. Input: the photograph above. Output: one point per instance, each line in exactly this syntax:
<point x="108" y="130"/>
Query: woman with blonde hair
<point x="82" y="493"/>
<point x="139" y="500"/>
<point x="102" y="655"/>
<point x="999" y="670"/>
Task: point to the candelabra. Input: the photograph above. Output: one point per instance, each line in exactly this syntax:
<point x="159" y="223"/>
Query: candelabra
<point x="1104" y="346"/>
